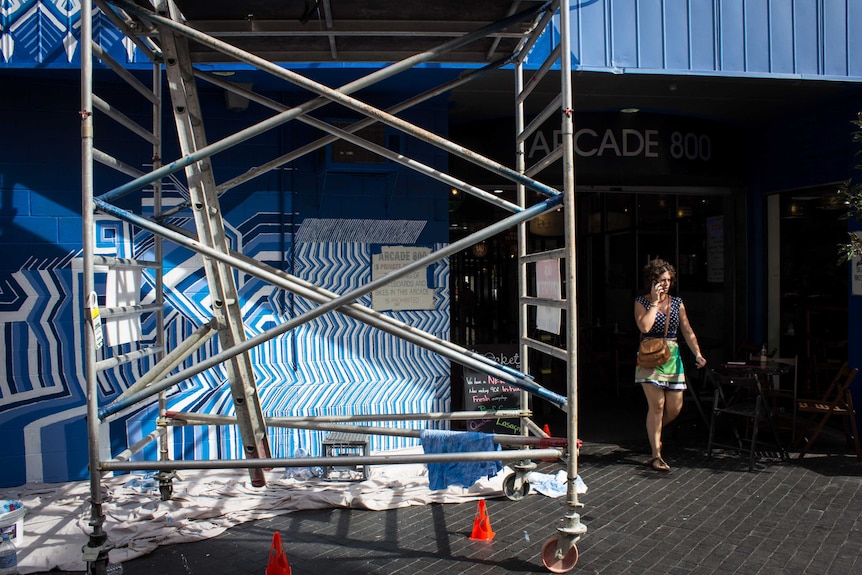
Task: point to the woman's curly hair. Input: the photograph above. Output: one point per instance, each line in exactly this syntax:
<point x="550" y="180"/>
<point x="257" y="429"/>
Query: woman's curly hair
<point x="656" y="268"/>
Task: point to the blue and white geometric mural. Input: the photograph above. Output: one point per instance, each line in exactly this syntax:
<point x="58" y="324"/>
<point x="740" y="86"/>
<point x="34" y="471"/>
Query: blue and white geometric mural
<point x="331" y="365"/>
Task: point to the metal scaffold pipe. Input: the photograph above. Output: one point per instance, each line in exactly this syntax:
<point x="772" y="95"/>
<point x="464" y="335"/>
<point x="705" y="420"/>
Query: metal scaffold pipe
<point x="336" y="303"/>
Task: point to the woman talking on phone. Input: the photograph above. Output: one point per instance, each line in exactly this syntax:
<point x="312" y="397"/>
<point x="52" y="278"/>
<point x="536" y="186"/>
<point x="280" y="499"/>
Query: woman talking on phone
<point x="658" y="313"/>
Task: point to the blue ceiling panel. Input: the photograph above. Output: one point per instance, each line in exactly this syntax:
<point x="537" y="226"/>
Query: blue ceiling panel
<point x="702" y="34"/>
<point x="806" y="35"/>
<point x="650" y="46"/>
<point x="781" y="39"/>
<point x="731" y="23"/>
<point x="624" y="34"/>
<point x="755" y="35"/>
<point x="755" y="38"/>
<point x="854" y="42"/>
<point x="675" y="32"/>
<point x="590" y="37"/>
<point x="835" y="57"/>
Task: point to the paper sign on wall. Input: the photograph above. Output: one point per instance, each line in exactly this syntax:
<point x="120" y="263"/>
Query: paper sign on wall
<point x="123" y="288"/>
<point x="409" y="292"/>
<point x="548" y="287"/>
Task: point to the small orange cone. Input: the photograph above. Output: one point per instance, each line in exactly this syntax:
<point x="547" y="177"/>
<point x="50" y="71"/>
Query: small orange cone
<point x="547" y="431"/>
<point x="277" y="564"/>
<point x="481" y="524"/>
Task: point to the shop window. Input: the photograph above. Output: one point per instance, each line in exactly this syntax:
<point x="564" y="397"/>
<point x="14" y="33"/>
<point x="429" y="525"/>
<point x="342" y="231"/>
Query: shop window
<point x="813" y="285"/>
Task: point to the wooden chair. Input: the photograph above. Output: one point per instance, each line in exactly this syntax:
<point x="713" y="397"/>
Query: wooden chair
<point x="836" y="401"/>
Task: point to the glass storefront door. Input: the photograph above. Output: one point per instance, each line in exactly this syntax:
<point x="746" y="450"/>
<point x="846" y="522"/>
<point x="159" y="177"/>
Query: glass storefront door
<point x="620" y="232"/>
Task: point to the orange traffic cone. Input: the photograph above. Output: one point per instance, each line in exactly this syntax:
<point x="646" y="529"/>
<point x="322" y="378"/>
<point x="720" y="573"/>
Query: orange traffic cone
<point x="277" y="564"/>
<point x="481" y="524"/>
<point x="547" y="430"/>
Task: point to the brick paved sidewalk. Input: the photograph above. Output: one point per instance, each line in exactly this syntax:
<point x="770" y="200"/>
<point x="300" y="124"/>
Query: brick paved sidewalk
<point x="705" y="516"/>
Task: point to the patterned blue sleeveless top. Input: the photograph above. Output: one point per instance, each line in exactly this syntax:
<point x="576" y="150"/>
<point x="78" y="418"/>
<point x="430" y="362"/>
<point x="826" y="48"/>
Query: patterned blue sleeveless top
<point x="658" y="327"/>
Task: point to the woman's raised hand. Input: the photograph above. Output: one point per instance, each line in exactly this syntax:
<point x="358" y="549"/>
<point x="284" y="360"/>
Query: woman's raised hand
<point x="657" y="292"/>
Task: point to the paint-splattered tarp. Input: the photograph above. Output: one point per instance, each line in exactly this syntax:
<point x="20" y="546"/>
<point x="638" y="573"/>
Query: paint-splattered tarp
<point x="205" y="503"/>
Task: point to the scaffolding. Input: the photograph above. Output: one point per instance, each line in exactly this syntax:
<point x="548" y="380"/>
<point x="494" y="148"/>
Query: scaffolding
<point x="176" y="35"/>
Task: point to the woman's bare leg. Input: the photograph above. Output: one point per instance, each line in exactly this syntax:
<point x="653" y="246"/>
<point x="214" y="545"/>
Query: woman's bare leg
<point x="672" y="406"/>
<point x="655" y="413"/>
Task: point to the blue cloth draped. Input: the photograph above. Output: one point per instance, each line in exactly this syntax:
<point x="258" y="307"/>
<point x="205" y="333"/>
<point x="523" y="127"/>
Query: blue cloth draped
<point x="463" y="473"/>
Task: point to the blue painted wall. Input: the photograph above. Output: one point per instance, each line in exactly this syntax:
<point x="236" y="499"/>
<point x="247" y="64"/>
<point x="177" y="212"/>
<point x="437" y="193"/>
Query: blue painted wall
<point x="332" y="365"/>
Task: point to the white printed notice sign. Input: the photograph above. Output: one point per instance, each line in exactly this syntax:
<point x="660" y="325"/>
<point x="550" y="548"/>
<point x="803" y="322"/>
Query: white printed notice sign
<point x="548" y="287"/>
<point x="408" y="292"/>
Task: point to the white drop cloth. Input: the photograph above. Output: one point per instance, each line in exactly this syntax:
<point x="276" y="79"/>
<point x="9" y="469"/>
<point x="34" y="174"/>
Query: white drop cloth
<point x="205" y="503"/>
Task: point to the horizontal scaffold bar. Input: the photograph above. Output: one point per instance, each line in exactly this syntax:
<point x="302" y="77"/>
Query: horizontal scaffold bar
<point x="500" y="438"/>
<point x="270" y="463"/>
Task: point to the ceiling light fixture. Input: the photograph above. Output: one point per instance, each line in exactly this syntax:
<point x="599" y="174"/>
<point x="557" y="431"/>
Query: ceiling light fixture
<point x="630" y="110"/>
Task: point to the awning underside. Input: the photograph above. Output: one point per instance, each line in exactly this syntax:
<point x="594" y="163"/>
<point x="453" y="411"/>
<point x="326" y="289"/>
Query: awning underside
<point x="350" y="31"/>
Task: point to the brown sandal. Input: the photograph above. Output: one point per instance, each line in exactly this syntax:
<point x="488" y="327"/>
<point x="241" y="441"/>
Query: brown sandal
<point x="658" y="464"/>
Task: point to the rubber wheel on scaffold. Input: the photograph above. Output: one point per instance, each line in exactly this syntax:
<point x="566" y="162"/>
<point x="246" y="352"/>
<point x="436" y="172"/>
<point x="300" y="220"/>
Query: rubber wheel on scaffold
<point x="555" y="564"/>
<point x="510" y="491"/>
<point x="166" y="491"/>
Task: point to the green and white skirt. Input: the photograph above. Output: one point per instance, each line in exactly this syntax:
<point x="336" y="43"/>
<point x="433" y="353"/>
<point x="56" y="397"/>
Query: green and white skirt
<point x="669" y="376"/>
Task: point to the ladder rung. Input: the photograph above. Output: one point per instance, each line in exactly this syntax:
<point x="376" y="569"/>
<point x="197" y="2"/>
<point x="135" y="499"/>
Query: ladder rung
<point x="127" y="357"/>
<point x="108" y="160"/>
<point x="115" y="262"/>
<point x="124" y="120"/>
<point x="130" y="79"/>
<point x="539" y="74"/>
<point x="544" y="256"/>
<point x="530" y="300"/>
<point x="550" y="109"/>
<point x="555" y="155"/>
<point x="130" y="310"/>
<point x="557" y="352"/>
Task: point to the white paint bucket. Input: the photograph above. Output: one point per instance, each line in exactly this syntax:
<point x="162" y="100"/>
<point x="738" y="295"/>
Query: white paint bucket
<point x="12" y="520"/>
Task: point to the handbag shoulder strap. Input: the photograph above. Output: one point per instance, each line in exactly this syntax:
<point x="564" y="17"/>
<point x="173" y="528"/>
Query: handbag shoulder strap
<point x="666" y="325"/>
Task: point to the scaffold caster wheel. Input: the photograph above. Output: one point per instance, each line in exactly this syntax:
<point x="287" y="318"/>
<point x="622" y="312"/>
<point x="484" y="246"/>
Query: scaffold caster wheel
<point x="166" y="484"/>
<point x="166" y="491"/>
<point x="509" y="488"/>
<point x="556" y="564"/>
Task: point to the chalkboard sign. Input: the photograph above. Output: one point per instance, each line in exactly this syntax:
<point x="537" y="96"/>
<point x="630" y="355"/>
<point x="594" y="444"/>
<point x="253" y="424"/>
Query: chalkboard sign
<point x="483" y="392"/>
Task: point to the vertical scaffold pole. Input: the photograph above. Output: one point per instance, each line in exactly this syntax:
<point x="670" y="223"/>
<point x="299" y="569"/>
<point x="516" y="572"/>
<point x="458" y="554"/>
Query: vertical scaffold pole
<point x="96" y="550"/>
<point x="572" y="526"/>
<point x="560" y="554"/>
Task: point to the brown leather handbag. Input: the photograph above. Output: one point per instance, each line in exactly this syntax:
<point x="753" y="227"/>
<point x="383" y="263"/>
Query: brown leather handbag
<point x="654" y="351"/>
